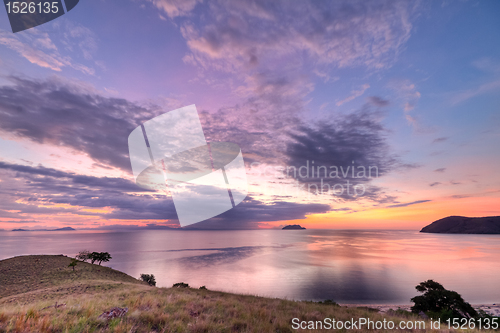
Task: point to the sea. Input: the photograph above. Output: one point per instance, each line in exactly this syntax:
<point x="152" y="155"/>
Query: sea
<point x="346" y="266"/>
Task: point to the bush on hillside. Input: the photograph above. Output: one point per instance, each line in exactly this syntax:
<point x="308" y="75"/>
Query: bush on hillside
<point x="437" y="302"/>
<point x="73" y="263"/>
<point x="149" y="279"/>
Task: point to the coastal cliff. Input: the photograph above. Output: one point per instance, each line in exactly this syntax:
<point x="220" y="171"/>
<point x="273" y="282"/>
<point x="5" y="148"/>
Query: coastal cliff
<point x="465" y="225"/>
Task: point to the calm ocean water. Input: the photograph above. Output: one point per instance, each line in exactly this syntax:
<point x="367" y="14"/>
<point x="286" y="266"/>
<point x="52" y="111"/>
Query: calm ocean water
<point x="377" y="267"/>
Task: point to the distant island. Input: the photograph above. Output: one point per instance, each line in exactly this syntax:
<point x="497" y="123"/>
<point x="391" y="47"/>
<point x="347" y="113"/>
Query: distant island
<point x="60" y="229"/>
<point x="292" y="227"/>
<point x="465" y="225"/>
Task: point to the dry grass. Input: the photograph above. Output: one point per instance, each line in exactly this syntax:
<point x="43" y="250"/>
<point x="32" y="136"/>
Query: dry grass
<point x="150" y="309"/>
<point x="169" y="310"/>
<point x="29" y="273"/>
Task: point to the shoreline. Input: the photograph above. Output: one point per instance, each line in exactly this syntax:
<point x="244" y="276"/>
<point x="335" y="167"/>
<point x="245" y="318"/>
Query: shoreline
<point x="491" y="309"/>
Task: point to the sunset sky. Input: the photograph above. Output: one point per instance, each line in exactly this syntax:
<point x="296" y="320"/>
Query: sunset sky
<point x="411" y="89"/>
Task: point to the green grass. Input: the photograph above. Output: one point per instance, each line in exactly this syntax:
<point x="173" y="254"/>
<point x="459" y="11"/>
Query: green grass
<point x="30" y="287"/>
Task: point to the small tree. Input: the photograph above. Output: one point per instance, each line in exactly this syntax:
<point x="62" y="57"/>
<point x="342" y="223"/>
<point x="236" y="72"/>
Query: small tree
<point x="83" y="255"/>
<point x="73" y="263"/>
<point x="100" y="257"/>
<point x="438" y="302"/>
<point x="149" y="279"/>
<point x="104" y="257"/>
<point x="93" y="257"/>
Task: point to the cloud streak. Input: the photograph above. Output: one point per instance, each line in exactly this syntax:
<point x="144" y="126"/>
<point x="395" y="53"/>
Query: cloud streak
<point x="354" y="94"/>
<point x="343" y="34"/>
<point x="175" y="8"/>
<point x="57" y="113"/>
<point x="408" y="204"/>
<point x="39" y="49"/>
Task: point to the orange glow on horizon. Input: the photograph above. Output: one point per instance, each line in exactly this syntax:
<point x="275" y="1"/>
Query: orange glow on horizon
<point x="412" y="217"/>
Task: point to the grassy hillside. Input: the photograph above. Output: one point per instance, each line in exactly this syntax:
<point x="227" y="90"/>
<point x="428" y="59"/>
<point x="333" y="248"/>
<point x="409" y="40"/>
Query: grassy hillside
<point x="30" y="287"/>
<point x="30" y="273"/>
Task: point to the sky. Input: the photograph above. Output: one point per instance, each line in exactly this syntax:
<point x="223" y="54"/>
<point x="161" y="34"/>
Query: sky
<point x="409" y="90"/>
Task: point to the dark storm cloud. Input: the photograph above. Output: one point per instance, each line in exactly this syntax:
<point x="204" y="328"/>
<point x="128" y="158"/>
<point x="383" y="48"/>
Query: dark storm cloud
<point x="60" y="114"/>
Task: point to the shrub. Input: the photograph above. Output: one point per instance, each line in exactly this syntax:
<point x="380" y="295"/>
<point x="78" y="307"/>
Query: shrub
<point x="73" y="263"/>
<point x="437" y="302"/>
<point x="203" y="288"/>
<point x="149" y="279"/>
<point x="181" y="285"/>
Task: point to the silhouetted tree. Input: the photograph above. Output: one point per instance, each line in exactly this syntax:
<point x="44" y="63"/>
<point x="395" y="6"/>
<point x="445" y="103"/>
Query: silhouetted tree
<point x="93" y="257"/>
<point x="103" y="257"/>
<point x="437" y="302"/>
<point x="100" y="257"/>
<point x="149" y="278"/>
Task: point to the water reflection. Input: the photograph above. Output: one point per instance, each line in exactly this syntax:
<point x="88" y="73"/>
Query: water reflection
<point x="346" y="266"/>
